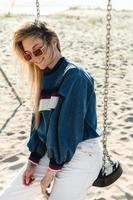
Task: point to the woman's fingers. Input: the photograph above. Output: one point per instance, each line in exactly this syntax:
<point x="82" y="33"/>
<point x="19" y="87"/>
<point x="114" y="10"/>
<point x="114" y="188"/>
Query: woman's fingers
<point x="49" y="185"/>
<point x="23" y="178"/>
<point x="31" y="180"/>
<point x="47" y="194"/>
<point x="28" y="175"/>
<point x="46" y="182"/>
<point x="27" y="178"/>
<point x="43" y="186"/>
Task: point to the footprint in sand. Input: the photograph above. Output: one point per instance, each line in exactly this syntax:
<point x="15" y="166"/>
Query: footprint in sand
<point x="124" y="139"/>
<point x="1" y="157"/>
<point x="22" y="137"/>
<point x="130" y="157"/>
<point x="131" y="135"/>
<point x="129" y="119"/>
<point x="22" y="132"/>
<point x="17" y="166"/>
<point x="115" y="113"/>
<point x="128" y="196"/>
<point x="127" y="127"/>
<point x="10" y="133"/>
<point x="99" y="86"/>
<point x="11" y="159"/>
<point x="115" y="103"/>
<point x="123" y="133"/>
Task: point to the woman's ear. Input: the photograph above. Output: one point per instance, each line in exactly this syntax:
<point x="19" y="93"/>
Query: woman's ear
<point x="55" y="41"/>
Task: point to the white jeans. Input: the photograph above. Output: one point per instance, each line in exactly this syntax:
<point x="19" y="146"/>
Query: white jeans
<point x="72" y="183"/>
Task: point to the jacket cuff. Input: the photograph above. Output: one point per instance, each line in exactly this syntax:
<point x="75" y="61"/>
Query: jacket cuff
<point x="34" y="157"/>
<point x="53" y="165"/>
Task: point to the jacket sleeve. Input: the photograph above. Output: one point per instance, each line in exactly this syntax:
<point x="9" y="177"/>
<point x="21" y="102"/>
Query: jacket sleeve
<point x="69" y="123"/>
<point x="35" y="145"/>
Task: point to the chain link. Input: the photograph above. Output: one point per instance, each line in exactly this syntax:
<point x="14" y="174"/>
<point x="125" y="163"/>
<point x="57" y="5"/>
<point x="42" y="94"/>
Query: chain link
<point x="106" y="86"/>
<point x="37" y="11"/>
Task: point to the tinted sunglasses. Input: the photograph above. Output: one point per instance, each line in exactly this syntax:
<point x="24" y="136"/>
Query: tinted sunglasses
<point x="37" y="52"/>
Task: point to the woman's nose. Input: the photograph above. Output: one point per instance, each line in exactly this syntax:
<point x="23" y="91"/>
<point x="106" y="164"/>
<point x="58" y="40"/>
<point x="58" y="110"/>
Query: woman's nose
<point x="35" y="58"/>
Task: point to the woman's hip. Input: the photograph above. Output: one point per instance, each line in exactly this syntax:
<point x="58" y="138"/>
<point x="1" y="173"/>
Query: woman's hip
<point x="87" y="158"/>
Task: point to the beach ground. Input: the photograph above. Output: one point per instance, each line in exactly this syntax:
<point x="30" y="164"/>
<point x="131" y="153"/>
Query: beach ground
<point x="82" y="33"/>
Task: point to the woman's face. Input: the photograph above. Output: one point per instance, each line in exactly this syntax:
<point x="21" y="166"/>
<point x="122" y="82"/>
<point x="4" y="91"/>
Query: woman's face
<point x="39" y="52"/>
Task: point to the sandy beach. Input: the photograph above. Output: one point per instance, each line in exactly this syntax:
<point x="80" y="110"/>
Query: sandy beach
<point x="82" y="34"/>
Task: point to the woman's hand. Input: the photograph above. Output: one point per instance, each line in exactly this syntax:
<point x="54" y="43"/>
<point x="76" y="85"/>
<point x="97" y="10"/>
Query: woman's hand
<point x="28" y="175"/>
<point x="46" y="182"/>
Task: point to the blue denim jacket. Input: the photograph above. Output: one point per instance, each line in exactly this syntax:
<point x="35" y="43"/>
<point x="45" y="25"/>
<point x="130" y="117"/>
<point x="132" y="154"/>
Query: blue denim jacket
<point x="68" y="114"/>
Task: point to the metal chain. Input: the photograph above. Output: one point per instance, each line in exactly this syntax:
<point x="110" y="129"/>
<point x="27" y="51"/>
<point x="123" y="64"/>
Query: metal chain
<point x="106" y="85"/>
<point x="15" y="94"/>
<point x="37" y="11"/>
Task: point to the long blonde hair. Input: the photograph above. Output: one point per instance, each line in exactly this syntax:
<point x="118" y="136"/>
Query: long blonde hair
<point x="40" y="30"/>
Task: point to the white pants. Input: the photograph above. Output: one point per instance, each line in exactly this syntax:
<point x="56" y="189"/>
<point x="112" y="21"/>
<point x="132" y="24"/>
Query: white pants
<point x="72" y="183"/>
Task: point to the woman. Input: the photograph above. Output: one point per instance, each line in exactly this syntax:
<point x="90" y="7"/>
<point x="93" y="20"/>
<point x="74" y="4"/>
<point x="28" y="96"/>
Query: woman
<point x="64" y="140"/>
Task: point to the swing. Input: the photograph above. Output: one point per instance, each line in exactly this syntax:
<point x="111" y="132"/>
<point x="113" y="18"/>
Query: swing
<point x="111" y="170"/>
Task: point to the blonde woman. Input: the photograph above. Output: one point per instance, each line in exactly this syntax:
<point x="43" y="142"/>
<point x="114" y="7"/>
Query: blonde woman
<point x="64" y="141"/>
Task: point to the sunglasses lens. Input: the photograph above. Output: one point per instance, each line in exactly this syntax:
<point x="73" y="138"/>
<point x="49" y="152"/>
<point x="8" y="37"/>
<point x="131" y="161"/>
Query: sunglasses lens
<point x="38" y="52"/>
<point x="27" y="57"/>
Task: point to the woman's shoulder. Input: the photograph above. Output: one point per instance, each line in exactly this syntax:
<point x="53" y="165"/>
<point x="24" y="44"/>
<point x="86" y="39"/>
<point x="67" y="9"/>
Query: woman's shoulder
<point x="75" y="76"/>
<point x="76" y="71"/>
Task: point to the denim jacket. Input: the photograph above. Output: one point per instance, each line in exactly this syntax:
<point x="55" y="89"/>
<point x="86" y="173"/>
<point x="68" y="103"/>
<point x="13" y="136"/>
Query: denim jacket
<point x="68" y="114"/>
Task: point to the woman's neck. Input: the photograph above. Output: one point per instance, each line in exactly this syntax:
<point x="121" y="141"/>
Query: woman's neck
<point x="55" y="60"/>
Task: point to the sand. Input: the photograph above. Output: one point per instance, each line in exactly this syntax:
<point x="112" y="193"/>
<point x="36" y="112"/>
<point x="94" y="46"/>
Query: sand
<point x="82" y="34"/>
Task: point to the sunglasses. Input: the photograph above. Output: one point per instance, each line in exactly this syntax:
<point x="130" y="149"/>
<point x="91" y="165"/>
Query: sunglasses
<point x="37" y="52"/>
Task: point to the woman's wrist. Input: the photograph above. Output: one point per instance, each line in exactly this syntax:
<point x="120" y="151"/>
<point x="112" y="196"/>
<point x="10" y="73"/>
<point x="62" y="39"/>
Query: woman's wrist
<point x="54" y="170"/>
<point x="31" y="163"/>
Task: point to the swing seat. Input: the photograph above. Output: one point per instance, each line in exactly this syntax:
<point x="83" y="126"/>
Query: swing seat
<point x="107" y="179"/>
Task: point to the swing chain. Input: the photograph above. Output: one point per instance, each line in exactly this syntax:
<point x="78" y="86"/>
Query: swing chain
<point x="106" y="85"/>
<point x="37" y="11"/>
